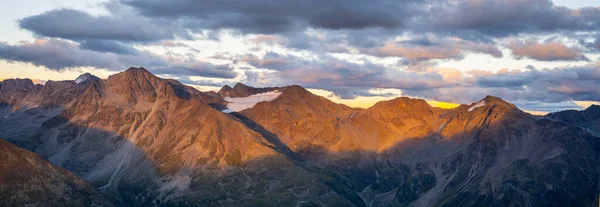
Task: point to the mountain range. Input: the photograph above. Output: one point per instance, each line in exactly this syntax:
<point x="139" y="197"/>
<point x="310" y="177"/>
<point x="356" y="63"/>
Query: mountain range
<point x="135" y="139"/>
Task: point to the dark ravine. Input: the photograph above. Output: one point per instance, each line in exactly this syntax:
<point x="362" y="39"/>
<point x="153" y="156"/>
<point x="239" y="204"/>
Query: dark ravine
<point x="146" y="141"/>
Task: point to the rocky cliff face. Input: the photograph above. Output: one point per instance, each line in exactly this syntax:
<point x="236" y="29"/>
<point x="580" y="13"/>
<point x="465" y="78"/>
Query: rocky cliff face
<point x="146" y="141"/>
<point x="26" y="179"/>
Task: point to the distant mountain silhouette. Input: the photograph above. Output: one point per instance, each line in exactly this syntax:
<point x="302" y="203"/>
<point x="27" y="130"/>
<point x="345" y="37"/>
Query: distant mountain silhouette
<point x="588" y="118"/>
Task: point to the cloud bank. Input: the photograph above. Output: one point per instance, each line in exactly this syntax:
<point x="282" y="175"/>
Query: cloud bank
<point x="349" y="47"/>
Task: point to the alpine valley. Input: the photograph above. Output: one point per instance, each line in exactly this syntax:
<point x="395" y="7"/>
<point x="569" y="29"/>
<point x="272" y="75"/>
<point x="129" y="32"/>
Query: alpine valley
<point x="135" y="139"/>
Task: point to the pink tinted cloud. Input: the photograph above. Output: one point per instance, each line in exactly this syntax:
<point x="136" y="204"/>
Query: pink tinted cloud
<point x="446" y="49"/>
<point x="545" y="51"/>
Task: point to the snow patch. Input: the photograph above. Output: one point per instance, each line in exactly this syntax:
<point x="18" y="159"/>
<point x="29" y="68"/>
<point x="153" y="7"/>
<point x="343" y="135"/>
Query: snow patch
<point x="228" y="111"/>
<point x="477" y="105"/>
<point x="80" y="79"/>
<point x="239" y="104"/>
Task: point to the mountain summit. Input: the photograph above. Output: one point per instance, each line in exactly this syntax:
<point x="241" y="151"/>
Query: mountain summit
<point x="141" y="140"/>
<point x="87" y="77"/>
<point x="241" y="90"/>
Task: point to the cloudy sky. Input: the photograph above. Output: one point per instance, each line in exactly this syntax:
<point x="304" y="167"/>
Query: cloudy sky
<point x="539" y="54"/>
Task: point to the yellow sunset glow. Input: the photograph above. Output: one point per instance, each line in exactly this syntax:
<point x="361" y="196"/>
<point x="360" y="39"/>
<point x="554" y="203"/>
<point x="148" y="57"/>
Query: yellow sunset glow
<point x="444" y="105"/>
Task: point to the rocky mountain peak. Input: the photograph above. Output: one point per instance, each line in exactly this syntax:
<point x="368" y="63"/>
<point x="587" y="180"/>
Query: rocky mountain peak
<point x="241" y="86"/>
<point x="225" y="91"/>
<point x="16" y="84"/>
<point x="404" y="102"/>
<point x="491" y="102"/>
<point x="134" y="74"/>
<point x="225" y="88"/>
<point x="140" y="70"/>
<point x="85" y="78"/>
<point x="296" y="88"/>
<point x="593" y="109"/>
<point x="297" y="94"/>
<point x="242" y="90"/>
<point x="494" y="100"/>
<point x="137" y="84"/>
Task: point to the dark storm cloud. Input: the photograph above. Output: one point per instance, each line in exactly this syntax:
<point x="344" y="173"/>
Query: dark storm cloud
<point x="77" y="25"/>
<point x="421" y="41"/>
<point x="60" y="55"/>
<point x="113" y="33"/>
<point x="366" y="23"/>
<point x="440" y="30"/>
<point x="471" y="19"/>
<point x="507" y="17"/>
<point x="108" y="46"/>
<point x="363" y="24"/>
<point x="273" y="16"/>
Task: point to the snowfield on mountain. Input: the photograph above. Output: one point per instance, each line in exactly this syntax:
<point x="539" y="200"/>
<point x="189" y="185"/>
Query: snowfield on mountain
<point x="238" y="104"/>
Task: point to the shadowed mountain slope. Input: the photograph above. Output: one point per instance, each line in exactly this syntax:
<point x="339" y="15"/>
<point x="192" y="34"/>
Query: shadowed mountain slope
<point x="588" y="118"/>
<point x="447" y="156"/>
<point x="146" y="141"/>
<point x="141" y="139"/>
<point x="28" y="180"/>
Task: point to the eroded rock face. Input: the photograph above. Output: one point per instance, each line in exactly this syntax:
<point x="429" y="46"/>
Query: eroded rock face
<point x="146" y="141"/>
<point x="26" y="179"/>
